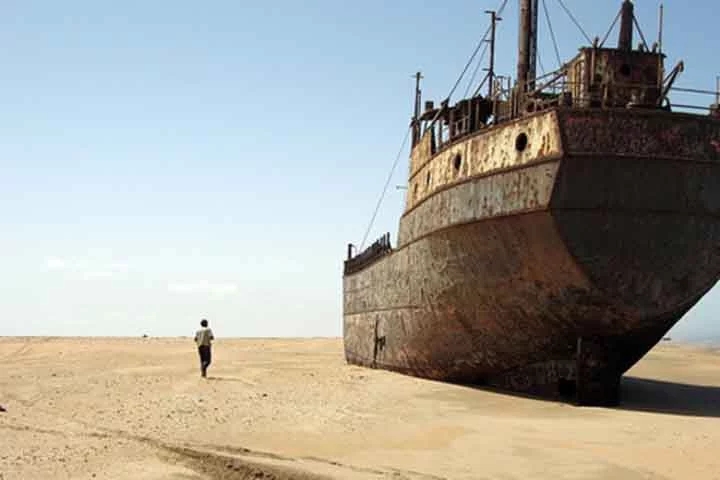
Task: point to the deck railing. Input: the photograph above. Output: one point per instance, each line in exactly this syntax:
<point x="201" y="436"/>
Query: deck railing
<point x="370" y="255"/>
<point x="450" y="128"/>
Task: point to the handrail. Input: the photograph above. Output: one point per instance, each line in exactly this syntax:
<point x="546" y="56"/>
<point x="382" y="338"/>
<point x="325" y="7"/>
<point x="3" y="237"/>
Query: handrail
<point x="558" y="90"/>
<point x="370" y="255"/>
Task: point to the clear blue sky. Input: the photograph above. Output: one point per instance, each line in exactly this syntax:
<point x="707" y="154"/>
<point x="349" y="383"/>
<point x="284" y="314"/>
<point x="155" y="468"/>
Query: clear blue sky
<point x="166" y="161"/>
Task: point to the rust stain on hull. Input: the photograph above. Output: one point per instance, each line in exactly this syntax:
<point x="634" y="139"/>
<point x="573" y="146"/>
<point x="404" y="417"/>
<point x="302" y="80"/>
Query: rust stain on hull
<point x="553" y="231"/>
<point x="563" y="290"/>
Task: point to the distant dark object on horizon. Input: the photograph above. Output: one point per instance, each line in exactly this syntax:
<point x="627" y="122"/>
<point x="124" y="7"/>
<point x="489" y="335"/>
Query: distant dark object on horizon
<point x="667" y="339"/>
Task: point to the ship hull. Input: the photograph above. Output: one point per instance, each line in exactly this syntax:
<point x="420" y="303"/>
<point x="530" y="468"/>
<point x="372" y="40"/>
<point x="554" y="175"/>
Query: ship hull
<point x="572" y="265"/>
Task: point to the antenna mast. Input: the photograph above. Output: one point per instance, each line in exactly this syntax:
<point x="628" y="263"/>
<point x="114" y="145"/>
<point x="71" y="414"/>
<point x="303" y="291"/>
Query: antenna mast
<point x="491" y="70"/>
<point x="418" y="101"/>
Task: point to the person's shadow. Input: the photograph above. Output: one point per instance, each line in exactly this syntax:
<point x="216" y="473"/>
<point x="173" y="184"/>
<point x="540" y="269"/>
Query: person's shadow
<point x="659" y="396"/>
<point x="211" y="378"/>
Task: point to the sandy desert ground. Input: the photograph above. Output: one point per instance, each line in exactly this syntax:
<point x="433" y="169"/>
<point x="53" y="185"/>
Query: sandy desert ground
<point x="276" y="409"/>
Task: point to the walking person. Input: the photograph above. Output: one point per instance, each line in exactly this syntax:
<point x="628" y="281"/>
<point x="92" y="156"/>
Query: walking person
<point x="203" y="339"/>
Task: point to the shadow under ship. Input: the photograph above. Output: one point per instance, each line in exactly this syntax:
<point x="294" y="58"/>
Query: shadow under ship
<point x="554" y="230"/>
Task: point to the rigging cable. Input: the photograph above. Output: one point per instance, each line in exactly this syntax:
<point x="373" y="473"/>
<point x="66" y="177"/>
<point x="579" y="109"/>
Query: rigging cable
<point x="577" y="24"/>
<point x="477" y="49"/>
<point x="477" y="69"/>
<point x="552" y="33"/>
<point x="617" y="17"/>
<point x="542" y="67"/>
<point x="467" y="65"/>
<point x="637" y="24"/>
<point x="387" y="182"/>
<point x="407" y="134"/>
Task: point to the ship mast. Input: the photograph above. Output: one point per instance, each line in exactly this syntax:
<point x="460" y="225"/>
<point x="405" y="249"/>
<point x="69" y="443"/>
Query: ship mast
<point x="532" y="70"/>
<point x="527" y="45"/>
<point x="416" y="116"/>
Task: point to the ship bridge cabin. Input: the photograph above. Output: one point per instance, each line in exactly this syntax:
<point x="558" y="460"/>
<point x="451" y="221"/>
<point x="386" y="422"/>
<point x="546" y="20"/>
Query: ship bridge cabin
<point x="606" y="77"/>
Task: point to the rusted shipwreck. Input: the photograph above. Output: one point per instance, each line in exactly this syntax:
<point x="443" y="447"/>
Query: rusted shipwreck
<point x="554" y="230"/>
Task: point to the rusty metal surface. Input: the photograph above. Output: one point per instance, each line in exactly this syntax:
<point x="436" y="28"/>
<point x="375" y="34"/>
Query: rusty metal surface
<point x="624" y="77"/>
<point x="489" y="150"/>
<point x="641" y="133"/>
<point x="448" y="304"/>
<point x="519" y="190"/>
<point x="626" y="244"/>
<point x="640" y="215"/>
<point x="475" y="304"/>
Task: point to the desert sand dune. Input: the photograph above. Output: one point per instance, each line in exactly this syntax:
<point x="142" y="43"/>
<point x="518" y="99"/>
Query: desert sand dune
<point x="275" y="408"/>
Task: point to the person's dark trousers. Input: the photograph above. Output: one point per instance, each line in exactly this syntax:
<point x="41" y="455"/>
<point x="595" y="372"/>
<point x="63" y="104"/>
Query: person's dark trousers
<point x="205" y="358"/>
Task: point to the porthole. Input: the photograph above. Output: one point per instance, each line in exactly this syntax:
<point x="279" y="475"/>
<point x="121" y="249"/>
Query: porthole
<point x="521" y="142"/>
<point x="427" y="179"/>
<point x="457" y="162"/>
